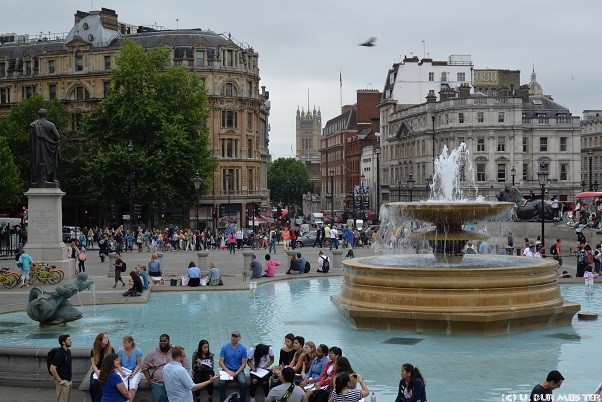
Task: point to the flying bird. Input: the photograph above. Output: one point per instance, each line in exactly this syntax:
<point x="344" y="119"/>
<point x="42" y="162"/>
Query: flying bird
<point x="369" y="42"/>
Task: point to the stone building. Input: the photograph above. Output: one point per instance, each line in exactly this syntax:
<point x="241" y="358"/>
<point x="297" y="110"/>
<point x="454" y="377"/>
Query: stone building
<point x="494" y="82"/>
<point x="76" y="70"/>
<point x="508" y="138"/>
<point x="307" y="135"/>
<point x="591" y="147"/>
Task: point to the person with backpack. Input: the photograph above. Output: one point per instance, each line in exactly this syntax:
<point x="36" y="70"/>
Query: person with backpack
<point x="81" y="260"/>
<point x="59" y="367"/>
<point x="287" y="391"/>
<point x="597" y="258"/>
<point x="581" y="261"/>
<point x="323" y="263"/>
<point x="24" y="263"/>
<point x="555" y="252"/>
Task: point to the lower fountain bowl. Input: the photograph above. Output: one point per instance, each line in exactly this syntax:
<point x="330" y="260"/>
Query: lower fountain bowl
<point x="516" y="295"/>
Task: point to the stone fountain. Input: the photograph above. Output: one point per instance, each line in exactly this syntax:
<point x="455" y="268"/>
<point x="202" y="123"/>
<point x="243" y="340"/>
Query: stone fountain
<point x="445" y="291"/>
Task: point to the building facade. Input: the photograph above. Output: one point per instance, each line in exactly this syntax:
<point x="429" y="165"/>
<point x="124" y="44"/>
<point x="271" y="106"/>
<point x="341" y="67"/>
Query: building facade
<point x="307" y="135"/>
<point x="494" y="82"/>
<point x="507" y="138"/>
<point x="591" y="149"/>
<point x="75" y="69"/>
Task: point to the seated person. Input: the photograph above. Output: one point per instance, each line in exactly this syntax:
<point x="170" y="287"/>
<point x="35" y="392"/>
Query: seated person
<point x="350" y="254"/>
<point x="213" y="276"/>
<point x="293" y="265"/>
<point x="141" y="271"/>
<point x="194" y="275"/>
<point x="255" y="268"/>
<point x="303" y="268"/>
<point x="136" y="289"/>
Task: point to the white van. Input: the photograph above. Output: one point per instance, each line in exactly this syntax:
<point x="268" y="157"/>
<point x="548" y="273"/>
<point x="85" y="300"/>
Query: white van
<point x="67" y="233"/>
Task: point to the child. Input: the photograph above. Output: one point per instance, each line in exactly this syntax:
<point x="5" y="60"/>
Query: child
<point x="350" y="254"/>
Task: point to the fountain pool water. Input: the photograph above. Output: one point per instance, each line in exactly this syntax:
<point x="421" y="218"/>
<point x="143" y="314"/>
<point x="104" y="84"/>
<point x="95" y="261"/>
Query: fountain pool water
<point x="439" y="292"/>
<point x="467" y="367"/>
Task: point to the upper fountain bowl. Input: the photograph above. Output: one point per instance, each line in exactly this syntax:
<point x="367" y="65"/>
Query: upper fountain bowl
<point x="449" y="211"/>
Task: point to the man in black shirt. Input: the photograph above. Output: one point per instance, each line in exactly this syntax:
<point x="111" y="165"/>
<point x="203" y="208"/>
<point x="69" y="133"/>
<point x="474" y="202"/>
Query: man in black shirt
<point x="543" y="390"/>
<point x="60" y="369"/>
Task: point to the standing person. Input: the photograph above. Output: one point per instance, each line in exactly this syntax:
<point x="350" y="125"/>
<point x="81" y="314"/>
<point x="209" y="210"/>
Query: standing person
<point x="411" y="386"/>
<point x="239" y="238"/>
<point x="319" y="237"/>
<point x="255" y="267"/>
<point x="232" y="360"/>
<point x="334" y="237"/>
<point x="100" y="349"/>
<point x="178" y="383"/>
<point x="113" y="387"/>
<point x="152" y="368"/>
<point x="118" y="266"/>
<point x="270" y="267"/>
<point x="272" y="241"/>
<point x="261" y="356"/>
<point x="131" y="362"/>
<point x="202" y="368"/>
<point x="81" y="260"/>
<point x="543" y="390"/>
<point x="24" y="263"/>
<point x="556" y="252"/>
<point x="60" y="369"/>
<point x="103" y="248"/>
<point x="231" y="242"/>
<point x="287" y="390"/>
<point x="286" y="238"/>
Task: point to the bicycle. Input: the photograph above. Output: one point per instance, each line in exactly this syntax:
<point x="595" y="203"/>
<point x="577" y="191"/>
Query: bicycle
<point x="9" y="279"/>
<point x="44" y="274"/>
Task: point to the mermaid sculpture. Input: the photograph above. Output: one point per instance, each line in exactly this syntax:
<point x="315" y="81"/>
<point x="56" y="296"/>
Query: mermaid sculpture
<point x="53" y="308"/>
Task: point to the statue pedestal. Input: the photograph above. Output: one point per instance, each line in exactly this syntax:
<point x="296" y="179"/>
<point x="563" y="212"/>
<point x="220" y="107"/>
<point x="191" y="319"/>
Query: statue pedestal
<point x="44" y="229"/>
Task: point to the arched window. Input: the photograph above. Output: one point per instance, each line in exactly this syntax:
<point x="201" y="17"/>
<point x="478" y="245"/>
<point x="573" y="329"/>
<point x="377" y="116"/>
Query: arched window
<point x="229" y="90"/>
<point x="79" y="93"/>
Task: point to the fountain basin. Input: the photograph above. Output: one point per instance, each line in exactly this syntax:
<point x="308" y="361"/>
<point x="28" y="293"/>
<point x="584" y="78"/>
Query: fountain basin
<point x="514" y="295"/>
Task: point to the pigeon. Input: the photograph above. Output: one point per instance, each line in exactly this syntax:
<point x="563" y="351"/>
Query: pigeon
<point x="369" y="42"/>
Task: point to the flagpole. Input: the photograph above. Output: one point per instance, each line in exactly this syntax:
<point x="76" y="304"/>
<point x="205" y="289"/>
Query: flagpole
<point x="341" y="89"/>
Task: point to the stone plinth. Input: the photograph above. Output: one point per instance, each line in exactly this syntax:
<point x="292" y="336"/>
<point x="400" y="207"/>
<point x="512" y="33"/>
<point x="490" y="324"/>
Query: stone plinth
<point x="246" y="260"/>
<point x="337" y="258"/>
<point x="477" y="300"/>
<point x="44" y="229"/>
<point x="202" y="260"/>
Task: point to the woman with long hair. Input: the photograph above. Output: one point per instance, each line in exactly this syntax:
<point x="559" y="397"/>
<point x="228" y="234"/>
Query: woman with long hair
<point x="345" y="390"/>
<point x="412" y="385"/>
<point x="113" y="387"/>
<point x="100" y="349"/>
<point x="131" y="361"/>
<point x="309" y="352"/>
<point x="154" y="269"/>
<point x="260" y="356"/>
<point x="202" y="368"/>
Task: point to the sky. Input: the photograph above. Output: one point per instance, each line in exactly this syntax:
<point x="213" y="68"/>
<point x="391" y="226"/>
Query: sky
<point x="307" y="46"/>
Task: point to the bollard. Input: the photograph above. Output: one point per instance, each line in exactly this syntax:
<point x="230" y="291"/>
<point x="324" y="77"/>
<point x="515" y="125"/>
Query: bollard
<point x="253" y="286"/>
<point x="202" y="257"/>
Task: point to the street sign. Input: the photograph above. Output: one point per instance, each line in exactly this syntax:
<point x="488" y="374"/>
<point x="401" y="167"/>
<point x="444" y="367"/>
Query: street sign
<point x="126" y="217"/>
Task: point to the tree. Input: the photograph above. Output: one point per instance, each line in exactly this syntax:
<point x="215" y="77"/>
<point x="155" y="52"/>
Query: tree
<point x="288" y="180"/>
<point x="155" y="107"/>
<point x="15" y="129"/>
<point x="10" y="181"/>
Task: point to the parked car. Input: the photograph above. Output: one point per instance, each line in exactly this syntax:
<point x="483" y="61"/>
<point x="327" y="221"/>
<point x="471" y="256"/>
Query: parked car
<point x="308" y="239"/>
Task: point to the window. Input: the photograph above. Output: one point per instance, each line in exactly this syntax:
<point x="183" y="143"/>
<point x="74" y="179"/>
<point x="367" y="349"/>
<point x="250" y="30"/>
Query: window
<point x="51" y="91"/>
<point x="443" y="76"/>
<point x="4" y="96"/>
<point x="460" y="117"/>
<point x="525" y="171"/>
<point x="2" y="69"/>
<point x="480" y="144"/>
<point x="27" y="67"/>
<point x="229" y="58"/>
<point x="501" y="144"/>
<point x="229" y="90"/>
<point x="249" y="88"/>
<point x="107" y="62"/>
<point x="250" y="181"/>
<point x="543" y="144"/>
<point x="431" y="76"/>
<point x="461" y="76"/>
<point x="228" y="119"/>
<point x="501" y="172"/>
<point x="106" y="87"/>
<point x="461" y="140"/>
<point x="480" y="117"/>
<point x="493" y="92"/>
<point x="446" y="118"/>
<point x="564" y="171"/>
<point x="500" y="117"/>
<point x="525" y="145"/>
<point x="199" y="58"/>
<point x="79" y="61"/>
<point x="249" y="148"/>
<point x="229" y="148"/>
<point x="51" y="67"/>
<point x="563" y="144"/>
<point x="27" y="92"/>
<point x="249" y="121"/>
<point x="480" y="172"/>
<point x="79" y="93"/>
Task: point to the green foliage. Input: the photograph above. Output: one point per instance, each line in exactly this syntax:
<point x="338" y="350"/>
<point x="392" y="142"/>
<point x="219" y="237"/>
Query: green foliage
<point x="156" y="107"/>
<point x="15" y="129"/>
<point x="9" y="179"/>
<point x="288" y="180"/>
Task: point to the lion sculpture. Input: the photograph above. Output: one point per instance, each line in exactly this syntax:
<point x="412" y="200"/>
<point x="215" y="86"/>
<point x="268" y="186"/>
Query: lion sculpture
<point x="526" y="210"/>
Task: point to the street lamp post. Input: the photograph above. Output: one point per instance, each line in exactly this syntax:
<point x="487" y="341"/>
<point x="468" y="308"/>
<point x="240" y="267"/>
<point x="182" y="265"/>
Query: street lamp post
<point x="331" y="174"/>
<point x="159" y="157"/>
<point x="433" y="121"/>
<point x="411" y="182"/>
<point x="229" y="180"/>
<point x="377" y="152"/>
<point x="399" y="190"/>
<point x="591" y="185"/>
<point x="130" y="149"/>
<point x="542" y="177"/>
<point x="513" y="172"/>
<point x="197" y="185"/>
<point x="362" y="191"/>
<point x="596" y="185"/>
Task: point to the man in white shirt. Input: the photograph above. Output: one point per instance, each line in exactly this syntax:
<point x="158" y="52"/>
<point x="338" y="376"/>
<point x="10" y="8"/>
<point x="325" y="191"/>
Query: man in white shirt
<point x="334" y="238"/>
<point x="323" y="263"/>
<point x="239" y="238"/>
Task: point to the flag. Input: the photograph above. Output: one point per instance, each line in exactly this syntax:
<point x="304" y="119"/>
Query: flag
<point x="341" y="78"/>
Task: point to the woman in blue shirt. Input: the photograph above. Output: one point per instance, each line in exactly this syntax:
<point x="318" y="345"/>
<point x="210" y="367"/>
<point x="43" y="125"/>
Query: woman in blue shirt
<point x="113" y="388"/>
<point x="131" y="361"/>
<point x="411" y="386"/>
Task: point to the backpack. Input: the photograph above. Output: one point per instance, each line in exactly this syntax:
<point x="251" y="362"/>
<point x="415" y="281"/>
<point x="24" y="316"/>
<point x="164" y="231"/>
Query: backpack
<point x="81" y="256"/>
<point x="307" y="267"/>
<point x="553" y="249"/>
<point x="123" y="266"/>
<point x="325" y="264"/>
<point x="582" y="257"/>
<point x="233" y="397"/>
<point x="50" y="357"/>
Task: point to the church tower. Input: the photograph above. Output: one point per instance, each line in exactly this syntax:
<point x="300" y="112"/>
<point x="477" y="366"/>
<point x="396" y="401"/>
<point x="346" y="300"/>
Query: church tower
<point x="309" y="127"/>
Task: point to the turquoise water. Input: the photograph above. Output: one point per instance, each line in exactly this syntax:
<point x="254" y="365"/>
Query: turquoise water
<point x="467" y="368"/>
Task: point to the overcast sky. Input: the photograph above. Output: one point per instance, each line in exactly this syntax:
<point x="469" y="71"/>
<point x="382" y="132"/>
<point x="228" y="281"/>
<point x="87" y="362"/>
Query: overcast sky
<point x="303" y="45"/>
